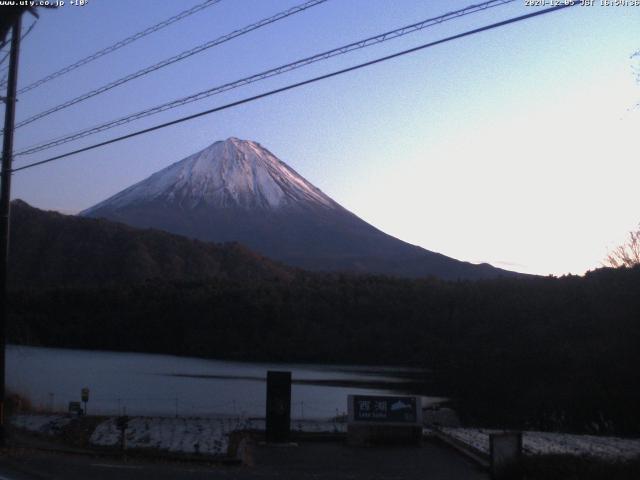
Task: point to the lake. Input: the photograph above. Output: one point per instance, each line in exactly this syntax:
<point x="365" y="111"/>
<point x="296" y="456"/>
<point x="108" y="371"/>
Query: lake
<point x="166" y="385"/>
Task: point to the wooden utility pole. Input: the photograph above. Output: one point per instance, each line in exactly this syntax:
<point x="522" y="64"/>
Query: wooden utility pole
<point x="5" y="205"/>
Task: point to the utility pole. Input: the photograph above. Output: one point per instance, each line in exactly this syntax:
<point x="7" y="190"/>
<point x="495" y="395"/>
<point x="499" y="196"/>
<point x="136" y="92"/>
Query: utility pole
<point x="5" y="205"/>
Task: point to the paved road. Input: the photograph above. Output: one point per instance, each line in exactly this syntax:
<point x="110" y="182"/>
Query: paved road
<point x="318" y="461"/>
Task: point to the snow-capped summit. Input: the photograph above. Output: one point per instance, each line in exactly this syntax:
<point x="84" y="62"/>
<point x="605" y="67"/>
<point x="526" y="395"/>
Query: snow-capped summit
<point x="229" y="173"/>
<point x="236" y="190"/>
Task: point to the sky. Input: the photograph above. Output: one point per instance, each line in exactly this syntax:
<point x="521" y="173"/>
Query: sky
<point x="516" y="146"/>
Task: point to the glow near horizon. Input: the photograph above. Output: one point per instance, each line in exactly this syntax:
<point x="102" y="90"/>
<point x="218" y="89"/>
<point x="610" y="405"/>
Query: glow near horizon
<point x="513" y="147"/>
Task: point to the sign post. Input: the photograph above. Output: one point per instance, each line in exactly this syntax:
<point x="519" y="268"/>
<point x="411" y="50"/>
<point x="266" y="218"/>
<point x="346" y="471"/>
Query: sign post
<point x="278" y="406"/>
<point x="85" y="398"/>
<point x="122" y="422"/>
<point x="384" y="420"/>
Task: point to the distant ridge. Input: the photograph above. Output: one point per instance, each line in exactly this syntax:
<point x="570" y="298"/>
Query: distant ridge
<point x="51" y="249"/>
<point x="236" y="190"/>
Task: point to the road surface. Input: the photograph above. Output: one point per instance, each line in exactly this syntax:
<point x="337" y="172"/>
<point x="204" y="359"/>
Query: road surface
<point x="313" y="460"/>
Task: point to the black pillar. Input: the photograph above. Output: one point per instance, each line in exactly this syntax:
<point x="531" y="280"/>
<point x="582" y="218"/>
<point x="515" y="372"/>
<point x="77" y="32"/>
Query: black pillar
<point x="278" y="406"/>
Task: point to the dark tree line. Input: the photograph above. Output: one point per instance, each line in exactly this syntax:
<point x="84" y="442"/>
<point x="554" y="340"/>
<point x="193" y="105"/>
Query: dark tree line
<point x="549" y="353"/>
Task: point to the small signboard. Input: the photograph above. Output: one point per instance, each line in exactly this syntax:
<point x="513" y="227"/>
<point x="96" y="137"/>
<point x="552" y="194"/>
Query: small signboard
<point x="85" y="394"/>
<point x="378" y="420"/>
<point x="75" y="408"/>
<point x="385" y="410"/>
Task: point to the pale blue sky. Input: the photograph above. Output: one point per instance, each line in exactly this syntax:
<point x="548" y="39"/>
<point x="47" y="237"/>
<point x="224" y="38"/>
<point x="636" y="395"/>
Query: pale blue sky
<point x="516" y="146"/>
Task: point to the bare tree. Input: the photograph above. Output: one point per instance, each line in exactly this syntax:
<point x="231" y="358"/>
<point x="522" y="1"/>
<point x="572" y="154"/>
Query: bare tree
<point x="627" y="254"/>
<point x="635" y="68"/>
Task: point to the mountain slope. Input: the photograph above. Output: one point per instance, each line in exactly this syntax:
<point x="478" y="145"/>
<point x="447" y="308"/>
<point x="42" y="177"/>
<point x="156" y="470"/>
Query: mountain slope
<point x="48" y="248"/>
<point x="236" y="190"/>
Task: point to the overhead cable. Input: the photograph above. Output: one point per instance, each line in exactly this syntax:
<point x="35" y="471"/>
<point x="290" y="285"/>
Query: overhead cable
<point x="399" y="32"/>
<point x="172" y="60"/>
<point x="5" y="68"/>
<point x="118" y="45"/>
<point x="298" y="84"/>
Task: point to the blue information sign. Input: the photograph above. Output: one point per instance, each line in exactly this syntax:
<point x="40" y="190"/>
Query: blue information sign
<point x="367" y="408"/>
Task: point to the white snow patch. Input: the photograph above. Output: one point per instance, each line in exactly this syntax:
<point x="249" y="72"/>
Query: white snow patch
<point x="545" y="443"/>
<point x="207" y="436"/>
<point x="45" y="424"/>
<point x="191" y="435"/>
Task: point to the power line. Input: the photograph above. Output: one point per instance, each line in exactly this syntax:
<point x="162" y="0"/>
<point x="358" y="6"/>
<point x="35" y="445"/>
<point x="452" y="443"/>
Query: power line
<point x="299" y="84"/>
<point x="188" y="53"/>
<point x="390" y="35"/>
<point x="6" y="67"/>
<point x="4" y="58"/>
<point x="118" y="45"/>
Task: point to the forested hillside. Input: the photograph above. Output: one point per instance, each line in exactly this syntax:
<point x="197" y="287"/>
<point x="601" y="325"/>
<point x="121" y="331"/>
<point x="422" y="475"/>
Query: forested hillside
<point x="51" y="249"/>
<point x="552" y="353"/>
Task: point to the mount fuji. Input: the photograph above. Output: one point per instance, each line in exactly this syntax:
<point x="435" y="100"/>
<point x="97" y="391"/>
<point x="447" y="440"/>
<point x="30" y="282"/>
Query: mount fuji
<point x="236" y="190"/>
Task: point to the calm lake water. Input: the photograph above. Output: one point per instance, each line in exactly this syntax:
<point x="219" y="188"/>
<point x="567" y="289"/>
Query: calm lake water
<point x="146" y="384"/>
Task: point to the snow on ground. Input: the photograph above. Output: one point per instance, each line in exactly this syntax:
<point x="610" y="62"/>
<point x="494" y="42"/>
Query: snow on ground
<point x="46" y="424"/>
<point x="210" y="436"/>
<point x="317" y="426"/>
<point x="543" y="443"/>
<point x="206" y="436"/>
